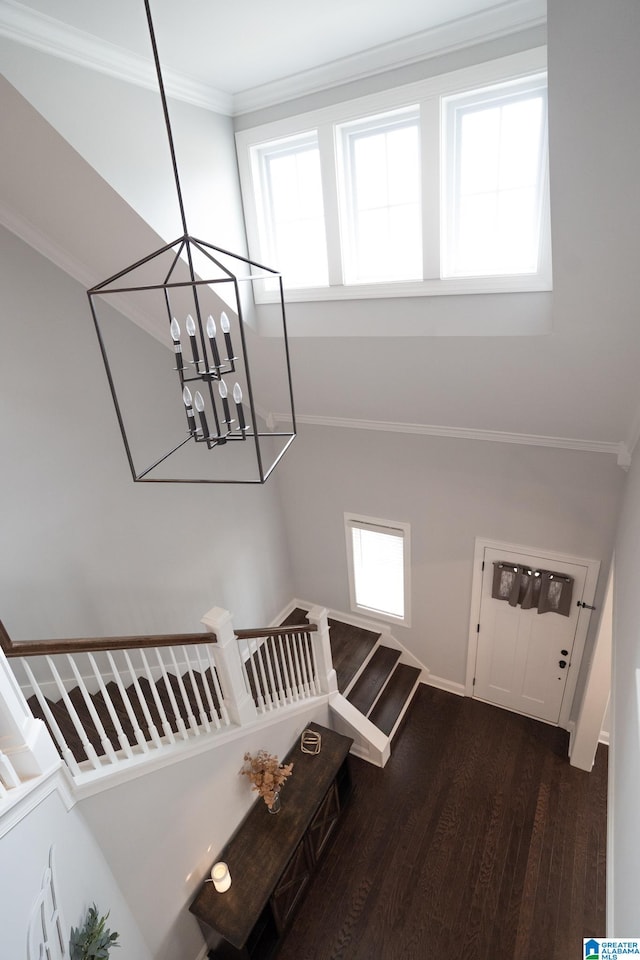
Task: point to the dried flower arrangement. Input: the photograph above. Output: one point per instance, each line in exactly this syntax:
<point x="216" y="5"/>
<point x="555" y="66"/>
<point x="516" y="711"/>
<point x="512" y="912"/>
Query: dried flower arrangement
<point x="266" y="774"/>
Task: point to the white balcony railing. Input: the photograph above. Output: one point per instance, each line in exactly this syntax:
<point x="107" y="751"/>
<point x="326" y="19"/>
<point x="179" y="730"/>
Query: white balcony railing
<point x="113" y="702"/>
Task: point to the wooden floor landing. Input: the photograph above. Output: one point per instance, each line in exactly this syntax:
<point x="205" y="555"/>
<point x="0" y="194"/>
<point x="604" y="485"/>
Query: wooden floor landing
<point x="477" y="841"/>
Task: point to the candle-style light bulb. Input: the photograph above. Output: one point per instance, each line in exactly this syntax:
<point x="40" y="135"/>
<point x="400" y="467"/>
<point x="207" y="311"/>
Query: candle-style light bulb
<point x="211" y="333"/>
<point x="188" y="402"/>
<point x="177" y="346"/>
<point x="199" y="403"/>
<point x="226" y="328"/>
<point x="222" y="390"/>
<point x="237" y="396"/>
<point x="191" y="330"/>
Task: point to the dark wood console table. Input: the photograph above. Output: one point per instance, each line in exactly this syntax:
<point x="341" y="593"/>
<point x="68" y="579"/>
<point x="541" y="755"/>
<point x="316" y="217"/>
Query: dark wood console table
<point x="272" y="857"/>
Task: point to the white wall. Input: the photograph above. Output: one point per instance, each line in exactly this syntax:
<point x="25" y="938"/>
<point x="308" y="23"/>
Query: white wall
<point x="162" y="832"/>
<point x="450" y="491"/>
<point x="623" y="853"/>
<point x="118" y="128"/>
<point x="85" y="550"/>
<point x="81" y="873"/>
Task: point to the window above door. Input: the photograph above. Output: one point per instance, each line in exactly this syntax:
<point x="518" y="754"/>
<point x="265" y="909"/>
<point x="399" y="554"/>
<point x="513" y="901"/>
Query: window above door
<point x="378" y="560"/>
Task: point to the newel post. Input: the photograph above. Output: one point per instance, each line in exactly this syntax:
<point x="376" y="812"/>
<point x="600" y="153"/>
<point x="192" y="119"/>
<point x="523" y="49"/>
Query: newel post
<point x="237" y="697"/>
<point x="322" y="650"/>
<point x="26" y="748"/>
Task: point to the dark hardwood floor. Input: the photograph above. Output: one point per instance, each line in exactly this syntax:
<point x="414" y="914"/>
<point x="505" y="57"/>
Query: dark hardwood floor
<point x="478" y="841"/>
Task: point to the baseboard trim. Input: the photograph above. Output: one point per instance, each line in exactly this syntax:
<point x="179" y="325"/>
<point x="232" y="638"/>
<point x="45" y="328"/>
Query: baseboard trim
<point x="451" y="686"/>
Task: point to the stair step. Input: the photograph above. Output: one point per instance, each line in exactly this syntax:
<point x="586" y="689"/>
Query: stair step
<point x="373" y="678"/>
<point x="350" y="647"/>
<point x="394" y="697"/>
<point x="295" y="618"/>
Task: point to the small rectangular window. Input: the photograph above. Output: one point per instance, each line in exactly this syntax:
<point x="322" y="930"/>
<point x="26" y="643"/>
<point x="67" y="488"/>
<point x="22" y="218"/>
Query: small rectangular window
<point x="381" y="197"/>
<point x="378" y="561"/>
<point x="290" y="209"/>
<point x="494" y="180"/>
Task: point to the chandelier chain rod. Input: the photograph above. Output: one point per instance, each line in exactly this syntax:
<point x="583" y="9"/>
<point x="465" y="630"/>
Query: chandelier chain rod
<point x="167" y="122"/>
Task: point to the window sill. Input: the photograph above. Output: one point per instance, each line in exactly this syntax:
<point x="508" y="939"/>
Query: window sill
<point x="420" y="288"/>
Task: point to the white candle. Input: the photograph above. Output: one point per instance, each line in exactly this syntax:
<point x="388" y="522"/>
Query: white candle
<point x="221" y="876"/>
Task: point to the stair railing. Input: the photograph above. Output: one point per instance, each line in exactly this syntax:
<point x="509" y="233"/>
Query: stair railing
<point x="279" y="666"/>
<point x="109" y="701"/>
<point x="106" y="700"/>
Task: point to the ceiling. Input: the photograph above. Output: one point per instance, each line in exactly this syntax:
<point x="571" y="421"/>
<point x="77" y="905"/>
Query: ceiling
<point x="223" y="46"/>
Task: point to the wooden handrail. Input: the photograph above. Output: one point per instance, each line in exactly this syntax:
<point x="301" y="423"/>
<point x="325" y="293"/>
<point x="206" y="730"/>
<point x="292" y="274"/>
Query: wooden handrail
<point x="275" y="631"/>
<point x="29" y="648"/>
<point x="35" y="648"/>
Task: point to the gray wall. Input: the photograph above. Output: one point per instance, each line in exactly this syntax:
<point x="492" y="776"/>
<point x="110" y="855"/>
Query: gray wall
<point x="81" y="873"/>
<point x="162" y="832"/>
<point x="85" y="551"/>
<point x="624" y="758"/>
<point x="450" y="491"/>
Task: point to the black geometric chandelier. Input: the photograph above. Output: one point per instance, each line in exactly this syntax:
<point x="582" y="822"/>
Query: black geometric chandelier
<point x="221" y="389"/>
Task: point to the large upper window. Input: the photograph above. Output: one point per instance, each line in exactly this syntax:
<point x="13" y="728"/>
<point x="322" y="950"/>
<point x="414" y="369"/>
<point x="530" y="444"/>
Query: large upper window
<point x="378" y="565"/>
<point x="380" y="185"/>
<point x="437" y="187"/>
<point x="494" y="177"/>
<point x="288" y="194"/>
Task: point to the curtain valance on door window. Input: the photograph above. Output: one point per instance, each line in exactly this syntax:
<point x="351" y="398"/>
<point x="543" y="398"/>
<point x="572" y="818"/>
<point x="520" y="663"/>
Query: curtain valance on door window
<point x="546" y="590"/>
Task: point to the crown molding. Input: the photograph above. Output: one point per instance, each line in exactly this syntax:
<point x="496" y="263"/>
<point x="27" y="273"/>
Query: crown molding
<point x="499" y="21"/>
<point x="617" y="449"/>
<point x="44" y="33"/>
<point x="51" y="36"/>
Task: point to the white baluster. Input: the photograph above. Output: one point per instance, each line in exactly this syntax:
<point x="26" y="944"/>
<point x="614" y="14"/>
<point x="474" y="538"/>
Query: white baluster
<point x="75" y="719"/>
<point x="133" y="720"/>
<point x="166" y="726"/>
<point x="207" y="692"/>
<point x="222" y="715"/>
<point x="172" y="698"/>
<point x="65" y="750"/>
<point x="252" y="646"/>
<point x="191" y="720"/>
<point x="308" y="667"/>
<point x="268" y="653"/>
<point x="107" y="746"/>
<point x="115" y="719"/>
<point x="314" y="664"/>
<point x="299" y="677"/>
<point x="287" y="686"/>
<point x="276" y="662"/>
<point x="204" y="720"/>
<point x="290" y="665"/>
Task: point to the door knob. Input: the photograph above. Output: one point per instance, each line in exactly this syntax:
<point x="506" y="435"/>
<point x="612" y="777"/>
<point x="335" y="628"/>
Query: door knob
<point x="564" y="652"/>
<point x="562" y="663"/>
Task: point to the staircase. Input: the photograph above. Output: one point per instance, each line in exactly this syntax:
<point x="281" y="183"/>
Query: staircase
<point x="370" y="674"/>
<point x="112" y="703"/>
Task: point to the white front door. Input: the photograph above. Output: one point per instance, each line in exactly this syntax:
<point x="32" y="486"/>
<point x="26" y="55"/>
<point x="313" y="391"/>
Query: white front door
<point x="523" y="657"/>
